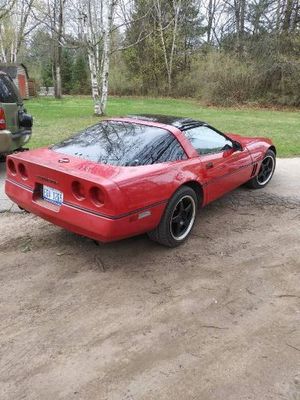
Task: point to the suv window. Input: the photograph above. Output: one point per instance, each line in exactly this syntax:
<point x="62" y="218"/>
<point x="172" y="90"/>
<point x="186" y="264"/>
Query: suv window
<point x="206" y="140"/>
<point x="123" y="144"/>
<point x="7" y="90"/>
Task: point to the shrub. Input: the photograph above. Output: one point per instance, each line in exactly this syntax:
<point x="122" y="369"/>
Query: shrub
<point x="218" y="78"/>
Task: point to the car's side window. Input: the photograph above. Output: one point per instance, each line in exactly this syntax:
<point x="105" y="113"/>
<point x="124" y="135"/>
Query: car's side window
<point x="206" y="141"/>
<point x="170" y="151"/>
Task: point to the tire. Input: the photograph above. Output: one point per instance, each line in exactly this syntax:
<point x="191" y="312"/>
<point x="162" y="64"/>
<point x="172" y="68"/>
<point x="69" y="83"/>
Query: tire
<point x="178" y="219"/>
<point x="265" y="172"/>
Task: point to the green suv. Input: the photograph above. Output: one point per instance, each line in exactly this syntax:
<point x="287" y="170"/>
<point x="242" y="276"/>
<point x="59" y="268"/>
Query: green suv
<point x="15" y="123"/>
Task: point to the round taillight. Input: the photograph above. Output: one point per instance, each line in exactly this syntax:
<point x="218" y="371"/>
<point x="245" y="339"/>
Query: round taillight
<point x="23" y="171"/>
<point x="97" y="196"/>
<point x="78" y="190"/>
<point x="11" y="166"/>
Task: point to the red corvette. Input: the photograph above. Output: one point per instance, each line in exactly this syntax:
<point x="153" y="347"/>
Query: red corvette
<point x="126" y="176"/>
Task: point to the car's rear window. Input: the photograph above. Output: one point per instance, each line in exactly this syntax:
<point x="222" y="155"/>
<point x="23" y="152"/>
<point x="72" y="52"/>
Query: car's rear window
<point x="123" y="144"/>
<point x="8" y="93"/>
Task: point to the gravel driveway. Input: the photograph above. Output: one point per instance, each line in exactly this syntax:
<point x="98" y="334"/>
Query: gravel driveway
<point x="216" y="319"/>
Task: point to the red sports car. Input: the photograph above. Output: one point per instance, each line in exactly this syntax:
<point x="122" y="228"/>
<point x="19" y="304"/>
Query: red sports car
<point x="145" y="173"/>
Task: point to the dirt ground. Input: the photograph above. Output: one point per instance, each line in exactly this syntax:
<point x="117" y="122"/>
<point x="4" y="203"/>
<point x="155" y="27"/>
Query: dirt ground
<point x="216" y="319"/>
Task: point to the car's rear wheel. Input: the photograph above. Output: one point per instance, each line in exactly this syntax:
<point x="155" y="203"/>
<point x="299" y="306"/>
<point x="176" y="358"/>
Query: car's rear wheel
<point x="265" y="172"/>
<point x="178" y="219"/>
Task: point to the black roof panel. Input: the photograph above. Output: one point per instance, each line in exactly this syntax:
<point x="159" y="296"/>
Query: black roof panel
<point x="178" y="122"/>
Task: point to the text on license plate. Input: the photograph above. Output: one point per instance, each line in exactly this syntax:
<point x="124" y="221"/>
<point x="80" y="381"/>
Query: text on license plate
<point x="53" y="195"/>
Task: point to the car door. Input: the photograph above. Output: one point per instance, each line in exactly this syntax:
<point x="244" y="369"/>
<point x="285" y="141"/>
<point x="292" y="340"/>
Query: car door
<point x="225" y="164"/>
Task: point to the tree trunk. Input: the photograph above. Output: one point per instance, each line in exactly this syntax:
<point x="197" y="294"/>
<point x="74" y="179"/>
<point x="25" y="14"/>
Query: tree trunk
<point x="177" y="7"/>
<point x="168" y="57"/>
<point x="3" y="53"/>
<point x="278" y="15"/>
<point x="288" y="15"/>
<point x="94" y="80"/>
<point x="58" y="88"/>
<point x="58" y="61"/>
<point x="57" y="72"/>
<point x="25" y="12"/>
<point x="104" y="77"/>
<point x="164" y="46"/>
<point x="240" y="11"/>
<point x="91" y="40"/>
<point x="242" y="17"/>
<point x="13" y="51"/>
<point x="106" y="58"/>
<point x="209" y="20"/>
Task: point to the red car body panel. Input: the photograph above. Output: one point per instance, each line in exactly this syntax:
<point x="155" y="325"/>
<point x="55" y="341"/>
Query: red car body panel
<point x="133" y="198"/>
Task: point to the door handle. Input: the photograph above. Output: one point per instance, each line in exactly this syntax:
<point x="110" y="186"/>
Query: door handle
<point x="209" y="165"/>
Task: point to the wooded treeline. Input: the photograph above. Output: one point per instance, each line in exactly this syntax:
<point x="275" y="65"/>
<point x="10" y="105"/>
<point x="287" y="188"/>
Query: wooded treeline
<point x="221" y="51"/>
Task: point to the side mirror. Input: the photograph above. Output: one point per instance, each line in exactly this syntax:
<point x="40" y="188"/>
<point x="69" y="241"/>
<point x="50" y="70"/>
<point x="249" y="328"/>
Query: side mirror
<point x="237" y="146"/>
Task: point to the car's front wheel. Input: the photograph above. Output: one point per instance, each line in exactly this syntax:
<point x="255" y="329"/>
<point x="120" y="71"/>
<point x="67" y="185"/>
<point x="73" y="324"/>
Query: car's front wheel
<point x="178" y="219"/>
<point x="265" y="172"/>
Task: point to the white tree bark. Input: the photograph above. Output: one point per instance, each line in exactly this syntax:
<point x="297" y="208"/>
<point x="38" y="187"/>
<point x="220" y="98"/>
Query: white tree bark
<point x="94" y="81"/>
<point x="96" y="27"/>
<point x="3" y="54"/>
<point x="97" y="22"/>
<point x="92" y="46"/>
<point x="58" y="83"/>
<point x="106" y="57"/>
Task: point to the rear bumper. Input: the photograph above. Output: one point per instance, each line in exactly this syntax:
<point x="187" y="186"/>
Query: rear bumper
<point x="84" y="222"/>
<point x="12" y="141"/>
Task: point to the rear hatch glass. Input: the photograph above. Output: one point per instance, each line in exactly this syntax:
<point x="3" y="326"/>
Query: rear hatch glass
<point x="123" y="144"/>
<point x="8" y="91"/>
<point x="10" y="102"/>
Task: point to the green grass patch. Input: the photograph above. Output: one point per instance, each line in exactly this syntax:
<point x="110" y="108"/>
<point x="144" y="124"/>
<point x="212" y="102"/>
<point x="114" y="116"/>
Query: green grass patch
<point x="55" y="120"/>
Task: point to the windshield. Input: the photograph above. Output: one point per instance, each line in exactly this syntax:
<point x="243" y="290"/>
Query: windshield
<point x="123" y="144"/>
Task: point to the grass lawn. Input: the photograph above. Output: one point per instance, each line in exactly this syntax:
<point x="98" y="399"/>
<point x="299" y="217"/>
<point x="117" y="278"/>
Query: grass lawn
<point x="57" y="119"/>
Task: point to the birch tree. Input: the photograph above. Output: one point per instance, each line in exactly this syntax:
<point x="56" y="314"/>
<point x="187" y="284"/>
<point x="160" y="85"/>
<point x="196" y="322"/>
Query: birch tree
<point x="15" y="25"/>
<point x="91" y="14"/>
<point x="168" y="52"/>
<point x="108" y="24"/>
<point x="97" y="22"/>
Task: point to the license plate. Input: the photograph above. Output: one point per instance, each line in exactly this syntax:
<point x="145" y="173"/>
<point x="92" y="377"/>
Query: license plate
<point x="52" y="195"/>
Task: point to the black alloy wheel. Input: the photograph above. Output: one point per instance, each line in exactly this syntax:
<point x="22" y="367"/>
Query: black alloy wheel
<point x="265" y="172"/>
<point x="178" y="218"/>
